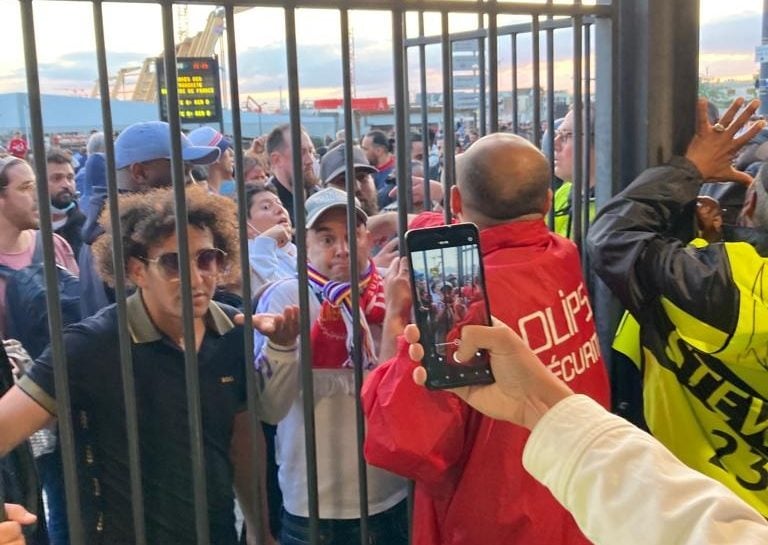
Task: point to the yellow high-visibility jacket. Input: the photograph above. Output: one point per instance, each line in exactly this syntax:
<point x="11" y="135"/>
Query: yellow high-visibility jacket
<point x="700" y="312"/>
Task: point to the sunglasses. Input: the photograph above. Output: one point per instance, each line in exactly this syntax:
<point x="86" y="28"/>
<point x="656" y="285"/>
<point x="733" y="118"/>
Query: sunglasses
<point x="209" y="262"/>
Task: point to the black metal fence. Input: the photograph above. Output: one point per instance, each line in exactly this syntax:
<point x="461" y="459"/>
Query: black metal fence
<point x="592" y="31"/>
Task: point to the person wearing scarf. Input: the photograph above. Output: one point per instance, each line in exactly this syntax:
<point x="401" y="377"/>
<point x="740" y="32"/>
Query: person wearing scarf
<point x="331" y="337"/>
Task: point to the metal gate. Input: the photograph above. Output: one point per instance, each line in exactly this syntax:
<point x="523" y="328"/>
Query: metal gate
<point x="590" y="35"/>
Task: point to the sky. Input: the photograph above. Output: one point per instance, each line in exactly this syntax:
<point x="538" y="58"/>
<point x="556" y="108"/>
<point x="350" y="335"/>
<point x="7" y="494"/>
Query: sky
<point x="730" y="30"/>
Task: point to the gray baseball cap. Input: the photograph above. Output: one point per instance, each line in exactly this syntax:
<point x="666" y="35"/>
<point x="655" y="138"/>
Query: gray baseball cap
<point x="328" y="198"/>
<point x="334" y="163"/>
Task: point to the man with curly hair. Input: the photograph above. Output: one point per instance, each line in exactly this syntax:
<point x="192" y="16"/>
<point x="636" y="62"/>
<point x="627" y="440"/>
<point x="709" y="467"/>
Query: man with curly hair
<point x="143" y="163"/>
<point x="149" y="235"/>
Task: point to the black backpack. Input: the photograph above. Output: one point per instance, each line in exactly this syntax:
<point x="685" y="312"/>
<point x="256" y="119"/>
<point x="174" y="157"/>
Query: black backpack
<point x="26" y="311"/>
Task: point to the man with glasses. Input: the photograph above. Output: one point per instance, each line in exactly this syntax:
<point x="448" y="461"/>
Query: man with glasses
<point x="148" y="232"/>
<point x="142" y="160"/>
<point x="564" y="164"/>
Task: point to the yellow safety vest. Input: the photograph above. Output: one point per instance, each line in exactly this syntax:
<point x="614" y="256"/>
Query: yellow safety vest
<point x="706" y="390"/>
<point x="563" y="210"/>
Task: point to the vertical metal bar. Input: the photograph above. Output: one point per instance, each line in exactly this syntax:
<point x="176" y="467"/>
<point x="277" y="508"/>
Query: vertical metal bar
<point x="607" y="142"/>
<point x="588" y="194"/>
<point x="551" y="110"/>
<point x="126" y="358"/>
<point x="577" y="190"/>
<point x="242" y="214"/>
<point x="354" y="275"/>
<point x="493" y="67"/>
<point x="607" y="156"/>
<point x="55" y="321"/>
<point x="401" y="113"/>
<point x="482" y="83"/>
<point x="307" y="382"/>
<point x="191" y="369"/>
<point x="536" y="129"/>
<point x="424" y="114"/>
<point x="407" y="134"/>
<point x="449" y="146"/>
<point x="515" y="113"/>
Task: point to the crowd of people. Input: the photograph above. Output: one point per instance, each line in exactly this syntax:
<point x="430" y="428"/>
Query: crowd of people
<point x="533" y="458"/>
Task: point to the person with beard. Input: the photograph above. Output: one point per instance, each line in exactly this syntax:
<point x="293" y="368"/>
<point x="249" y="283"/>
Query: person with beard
<point x="280" y="153"/>
<point x="19" y="221"/>
<point x="66" y="215"/>
<point x="378" y="151"/>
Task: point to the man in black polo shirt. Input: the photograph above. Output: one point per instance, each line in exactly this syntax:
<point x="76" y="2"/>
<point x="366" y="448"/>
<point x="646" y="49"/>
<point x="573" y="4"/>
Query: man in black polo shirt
<point x="147" y="229"/>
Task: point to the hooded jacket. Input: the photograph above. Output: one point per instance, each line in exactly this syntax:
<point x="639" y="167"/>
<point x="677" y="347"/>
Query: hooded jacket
<point x="701" y="314"/>
<point x="471" y="487"/>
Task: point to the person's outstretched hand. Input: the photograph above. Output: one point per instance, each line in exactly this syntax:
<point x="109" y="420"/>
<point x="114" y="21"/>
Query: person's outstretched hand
<point x="281" y="329"/>
<point x="524" y="389"/>
<point x="713" y="147"/>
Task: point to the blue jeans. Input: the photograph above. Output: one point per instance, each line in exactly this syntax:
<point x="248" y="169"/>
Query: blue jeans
<point x="387" y="528"/>
<point x="51" y="471"/>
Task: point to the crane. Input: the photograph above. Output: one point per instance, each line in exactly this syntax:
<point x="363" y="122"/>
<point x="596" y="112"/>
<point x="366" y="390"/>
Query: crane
<point x="140" y="82"/>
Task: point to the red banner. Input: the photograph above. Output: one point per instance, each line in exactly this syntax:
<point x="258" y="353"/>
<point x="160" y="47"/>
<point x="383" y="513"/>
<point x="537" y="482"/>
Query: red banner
<point x="371" y="104"/>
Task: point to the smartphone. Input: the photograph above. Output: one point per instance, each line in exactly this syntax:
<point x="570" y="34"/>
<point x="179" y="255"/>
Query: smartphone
<point x="448" y="285"/>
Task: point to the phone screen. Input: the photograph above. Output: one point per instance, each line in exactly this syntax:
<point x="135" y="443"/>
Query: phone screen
<point x="448" y="293"/>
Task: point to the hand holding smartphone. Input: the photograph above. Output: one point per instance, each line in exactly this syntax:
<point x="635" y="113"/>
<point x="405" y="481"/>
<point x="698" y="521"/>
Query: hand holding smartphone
<point x="448" y="285"/>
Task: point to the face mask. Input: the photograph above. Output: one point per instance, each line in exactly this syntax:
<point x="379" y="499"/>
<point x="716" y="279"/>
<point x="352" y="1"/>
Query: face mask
<point x="252" y="228"/>
<point x="228" y="188"/>
<point x="58" y="224"/>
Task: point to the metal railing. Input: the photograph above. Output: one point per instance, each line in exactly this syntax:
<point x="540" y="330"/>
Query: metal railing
<point x="545" y="19"/>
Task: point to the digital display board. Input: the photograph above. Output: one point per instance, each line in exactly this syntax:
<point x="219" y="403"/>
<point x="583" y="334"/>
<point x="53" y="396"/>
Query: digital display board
<point x="199" y="90"/>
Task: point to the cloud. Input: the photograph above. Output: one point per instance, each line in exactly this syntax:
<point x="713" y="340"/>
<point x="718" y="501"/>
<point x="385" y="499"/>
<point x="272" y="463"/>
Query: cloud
<point x="727" y="47"/>
<point x="264" y="69"/>
<point x="733" y="34"/>
<point x="71" y="71"/>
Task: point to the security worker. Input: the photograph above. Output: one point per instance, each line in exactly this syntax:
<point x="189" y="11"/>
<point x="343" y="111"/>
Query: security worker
<point x="701" y="309"/>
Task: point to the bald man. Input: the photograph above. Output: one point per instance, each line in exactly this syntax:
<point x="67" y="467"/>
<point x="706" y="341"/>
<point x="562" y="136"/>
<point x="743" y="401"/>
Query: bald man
<point x="471" y="488"/>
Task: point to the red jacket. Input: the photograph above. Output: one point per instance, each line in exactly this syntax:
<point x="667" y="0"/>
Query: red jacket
<point x="471" y="488"/>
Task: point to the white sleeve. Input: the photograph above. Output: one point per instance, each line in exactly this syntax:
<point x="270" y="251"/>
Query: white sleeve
<point x="278" y="365"/>
<point x="622" y="486"/>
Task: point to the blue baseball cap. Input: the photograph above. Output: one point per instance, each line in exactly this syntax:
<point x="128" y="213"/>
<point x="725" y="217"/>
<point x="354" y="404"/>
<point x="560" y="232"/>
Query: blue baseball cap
<point x="207" y="136"/>
<point x="149" y="140"/>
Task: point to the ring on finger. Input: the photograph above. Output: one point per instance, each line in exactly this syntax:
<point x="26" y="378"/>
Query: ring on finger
<point x="718" y="127"/>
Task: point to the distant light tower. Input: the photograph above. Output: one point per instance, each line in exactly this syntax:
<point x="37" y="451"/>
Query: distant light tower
<point x="762" y="84"/>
